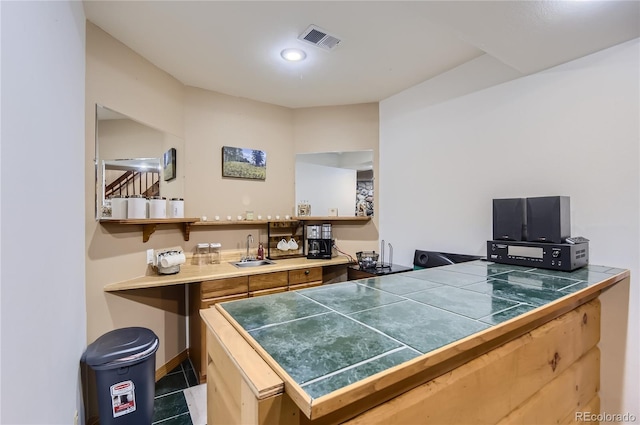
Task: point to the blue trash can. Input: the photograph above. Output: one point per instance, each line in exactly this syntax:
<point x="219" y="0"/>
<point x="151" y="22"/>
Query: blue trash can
<point x="125" y="365"/>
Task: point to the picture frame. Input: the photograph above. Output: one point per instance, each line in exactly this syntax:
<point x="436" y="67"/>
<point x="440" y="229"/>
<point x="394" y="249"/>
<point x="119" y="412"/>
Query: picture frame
<point x="243" y="163"/>
<point x="169" y="164"/>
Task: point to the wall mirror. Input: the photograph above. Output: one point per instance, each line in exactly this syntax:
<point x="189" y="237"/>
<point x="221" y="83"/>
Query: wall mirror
<point x="129" y="160"/>
<point x="335" y="182"/>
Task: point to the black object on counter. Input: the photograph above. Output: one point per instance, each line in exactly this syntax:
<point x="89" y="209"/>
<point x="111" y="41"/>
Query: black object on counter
<point x="428" y="259"/>
<point x="357" y="272"/>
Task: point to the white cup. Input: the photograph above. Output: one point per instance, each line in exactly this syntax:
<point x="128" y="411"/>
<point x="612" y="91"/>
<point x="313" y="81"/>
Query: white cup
<point x="277" y="217"/>
<point x="203" y="218"/>
<point x="293" y="245"/>
<point x="239" y="217"/>
<point x="283" y="245"/>
<point x="268" y="217"/>
<point x="217" y="218"/>
<point x="229" y="217"/>
<point x="286" y="217"/>
<point x="259" y="217"/>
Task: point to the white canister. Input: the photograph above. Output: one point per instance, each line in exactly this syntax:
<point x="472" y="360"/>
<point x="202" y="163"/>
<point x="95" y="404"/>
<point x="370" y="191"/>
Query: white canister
<point x="119" y="208"/>
<point x="158" y="207"/>
<point x="176" y="208"/>
<point x="136" y="207"/>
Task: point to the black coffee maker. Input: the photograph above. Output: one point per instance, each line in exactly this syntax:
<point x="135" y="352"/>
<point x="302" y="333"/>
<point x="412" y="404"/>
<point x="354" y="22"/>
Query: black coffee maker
<point x="319" y="241"/>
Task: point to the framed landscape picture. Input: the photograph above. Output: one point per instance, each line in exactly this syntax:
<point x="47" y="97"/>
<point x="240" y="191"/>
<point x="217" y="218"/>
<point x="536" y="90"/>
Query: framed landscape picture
<point x="244" y="163"/>
<point x="169" y="163"/>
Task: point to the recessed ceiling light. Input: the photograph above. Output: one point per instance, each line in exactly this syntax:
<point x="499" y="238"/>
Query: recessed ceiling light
<point x="293" y="55"/>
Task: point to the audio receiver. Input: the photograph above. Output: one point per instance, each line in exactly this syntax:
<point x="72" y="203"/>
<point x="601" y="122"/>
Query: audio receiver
<point x="555" y="256"/>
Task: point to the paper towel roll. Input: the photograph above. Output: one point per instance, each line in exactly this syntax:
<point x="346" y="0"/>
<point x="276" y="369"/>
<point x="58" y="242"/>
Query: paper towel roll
<point x="172" y="260"/>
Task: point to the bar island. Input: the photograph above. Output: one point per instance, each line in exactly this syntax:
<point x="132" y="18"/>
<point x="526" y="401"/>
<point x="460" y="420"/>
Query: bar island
<point x="475" y="342"/>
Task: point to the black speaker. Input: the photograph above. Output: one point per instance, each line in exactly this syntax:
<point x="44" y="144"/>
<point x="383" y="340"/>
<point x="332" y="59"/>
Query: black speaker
<point x="548" y="219"/>
<point x="509" y="219"/>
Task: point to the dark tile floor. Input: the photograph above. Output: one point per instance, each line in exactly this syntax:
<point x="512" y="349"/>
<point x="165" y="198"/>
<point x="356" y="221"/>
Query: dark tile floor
<point x="170" y="406"/>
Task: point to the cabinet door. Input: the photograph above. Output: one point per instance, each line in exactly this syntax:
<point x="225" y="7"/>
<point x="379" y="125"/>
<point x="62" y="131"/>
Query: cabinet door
<point x="223" y="287"/>
<point x="308" y="275"/>
<point x="264" y="281"/>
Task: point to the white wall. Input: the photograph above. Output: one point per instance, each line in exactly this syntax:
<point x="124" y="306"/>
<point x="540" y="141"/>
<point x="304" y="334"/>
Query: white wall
<point x="42" y="249"/>
<point x="326" y="187"/>
<point x="571" y="130"/>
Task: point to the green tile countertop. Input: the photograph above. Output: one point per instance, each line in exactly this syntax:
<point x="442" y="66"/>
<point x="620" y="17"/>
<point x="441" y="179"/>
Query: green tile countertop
<point x="328" y="337"/>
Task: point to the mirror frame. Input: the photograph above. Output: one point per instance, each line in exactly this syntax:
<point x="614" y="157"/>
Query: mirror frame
<point x="332" y="159"/>
<point x="172" y="189"/>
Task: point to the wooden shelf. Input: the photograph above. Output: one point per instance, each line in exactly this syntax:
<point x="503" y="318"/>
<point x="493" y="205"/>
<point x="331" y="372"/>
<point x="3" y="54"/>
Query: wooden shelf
<point x="283" y="221"/>
<point x="240" y="222"/>
<point x="333" y="218"/>
<point x="149" y="224"/>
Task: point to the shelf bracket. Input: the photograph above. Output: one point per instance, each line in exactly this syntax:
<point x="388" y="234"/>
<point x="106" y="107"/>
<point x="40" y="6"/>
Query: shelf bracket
<point x="147" y="231"/>
<point x="186" y="230"/>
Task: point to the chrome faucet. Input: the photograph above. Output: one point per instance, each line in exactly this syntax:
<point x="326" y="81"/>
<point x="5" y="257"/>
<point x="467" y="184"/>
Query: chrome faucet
<point x="249" y="241"/>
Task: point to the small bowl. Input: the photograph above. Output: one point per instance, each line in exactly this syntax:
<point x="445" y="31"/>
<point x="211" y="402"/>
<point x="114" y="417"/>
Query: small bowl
<point x="367" y="259"/>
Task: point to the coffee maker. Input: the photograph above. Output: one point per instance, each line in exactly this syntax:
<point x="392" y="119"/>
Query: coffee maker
<point x="319" y="241"/>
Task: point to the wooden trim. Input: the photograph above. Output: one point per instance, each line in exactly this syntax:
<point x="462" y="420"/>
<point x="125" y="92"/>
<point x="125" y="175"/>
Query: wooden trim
<point x="163" y="370"/>
<point x="268" y="291"/>
<point x="295" y="392"/>
<point x="261" y="379"/>
<point x="326" y="219"/>
<point x="149" y="225"/>
<point x="304" y="285"/>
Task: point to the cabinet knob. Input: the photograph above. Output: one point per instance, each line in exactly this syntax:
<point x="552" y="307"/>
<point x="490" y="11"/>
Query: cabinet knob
<point x="307" y="272"/>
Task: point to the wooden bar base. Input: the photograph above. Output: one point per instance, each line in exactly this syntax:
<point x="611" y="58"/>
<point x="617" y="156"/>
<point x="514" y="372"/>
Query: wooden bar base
<point x="545" y="375"/>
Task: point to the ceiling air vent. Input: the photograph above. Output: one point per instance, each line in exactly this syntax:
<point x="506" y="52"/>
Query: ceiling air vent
<point x="319" y="37"/>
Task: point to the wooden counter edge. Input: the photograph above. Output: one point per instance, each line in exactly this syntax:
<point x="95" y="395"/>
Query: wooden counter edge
<point x="156" y="281"/>
<point x="257" y="374"/>
<point x="291" y="387"/>
<point x="430" y="365"/>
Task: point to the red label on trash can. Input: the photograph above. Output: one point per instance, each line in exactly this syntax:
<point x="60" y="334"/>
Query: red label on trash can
<point x="123" y="398"/>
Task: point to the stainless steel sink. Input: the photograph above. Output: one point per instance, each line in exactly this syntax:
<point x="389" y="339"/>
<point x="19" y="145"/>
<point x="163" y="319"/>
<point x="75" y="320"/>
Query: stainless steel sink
<point x="253" y="263"/>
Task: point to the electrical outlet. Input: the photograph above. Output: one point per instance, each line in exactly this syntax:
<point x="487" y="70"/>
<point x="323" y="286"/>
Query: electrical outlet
<point x="149" y="256"/>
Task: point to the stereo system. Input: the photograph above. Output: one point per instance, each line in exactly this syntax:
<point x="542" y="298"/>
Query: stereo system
<point x="533" y="232"/>
<point x="565" y="257"/>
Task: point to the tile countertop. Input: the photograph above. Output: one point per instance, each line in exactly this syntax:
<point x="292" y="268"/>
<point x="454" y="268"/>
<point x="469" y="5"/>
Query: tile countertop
<point x="192" y="273"/>
<point x="328" y="337"/>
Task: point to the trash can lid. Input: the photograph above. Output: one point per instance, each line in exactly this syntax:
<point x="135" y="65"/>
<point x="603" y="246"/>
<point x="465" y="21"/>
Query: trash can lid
<point x="121" y="345"/>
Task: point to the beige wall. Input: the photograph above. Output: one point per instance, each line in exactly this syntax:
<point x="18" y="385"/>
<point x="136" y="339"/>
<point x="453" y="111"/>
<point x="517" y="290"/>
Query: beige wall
<point x="119" y="79"/>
